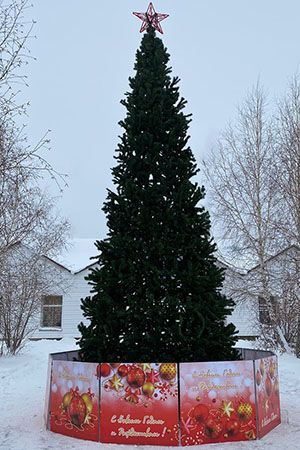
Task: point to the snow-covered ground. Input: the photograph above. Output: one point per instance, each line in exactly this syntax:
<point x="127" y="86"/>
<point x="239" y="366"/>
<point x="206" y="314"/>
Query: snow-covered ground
<point x="22" y="390"/>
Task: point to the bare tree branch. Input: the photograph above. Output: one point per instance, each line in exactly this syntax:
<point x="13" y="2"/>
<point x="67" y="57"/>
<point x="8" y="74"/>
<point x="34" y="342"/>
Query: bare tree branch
<point x="246" y="199"/>
<point x="27" y="213"/>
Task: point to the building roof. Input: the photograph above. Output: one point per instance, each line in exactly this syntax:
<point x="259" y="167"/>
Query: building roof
<point x="79" y="253"/>
<point x="77" y="256"/>
<point x="282" y="252"/>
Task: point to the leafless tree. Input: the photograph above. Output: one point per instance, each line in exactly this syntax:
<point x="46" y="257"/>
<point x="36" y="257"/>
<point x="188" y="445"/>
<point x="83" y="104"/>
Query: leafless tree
<point x="241" y="173"/>
<point x="25" y="276"/>
<point x="286" y="287"/>
<point x="27" y="213"/>
<point x="288" y="157"/>
<point x="15" y="31"/>
<point x="22" y="204"/>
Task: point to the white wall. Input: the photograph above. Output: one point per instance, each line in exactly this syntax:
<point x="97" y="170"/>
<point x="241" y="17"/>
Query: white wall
<point x="245" y="313"/>
<point x="77" y="288"/>
<point x="243" y="316"/>
<point x="72" y="314"/>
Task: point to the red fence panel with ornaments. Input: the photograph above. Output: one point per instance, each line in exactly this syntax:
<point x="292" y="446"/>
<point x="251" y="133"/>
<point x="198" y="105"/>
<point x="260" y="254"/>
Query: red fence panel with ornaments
<point x="217" y="402"/>
<point x="267" y="394"/>
<point x="74" y="400"/>
<point x="139" y="404"/>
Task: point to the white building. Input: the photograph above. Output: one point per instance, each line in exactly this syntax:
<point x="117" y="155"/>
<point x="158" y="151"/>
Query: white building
<point x="61" y="313"/>
<point x="244" y="315"/>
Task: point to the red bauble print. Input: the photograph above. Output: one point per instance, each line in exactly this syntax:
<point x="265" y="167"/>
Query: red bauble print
<point x="105" y="370"/>
<point x="122" y="370"/>
<point x="200" y="413"/>
<point x="232" y="427"/>
<point x="268" y="386"/>
<point x="212" y="428"/>
<point x="77" y="410"/>
<point x="135" y="377"/>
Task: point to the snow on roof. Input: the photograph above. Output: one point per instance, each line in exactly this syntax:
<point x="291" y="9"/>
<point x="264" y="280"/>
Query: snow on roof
<point x="77" y="254"/>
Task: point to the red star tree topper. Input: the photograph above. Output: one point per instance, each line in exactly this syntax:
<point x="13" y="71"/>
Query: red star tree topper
<point x="151" y="19"/>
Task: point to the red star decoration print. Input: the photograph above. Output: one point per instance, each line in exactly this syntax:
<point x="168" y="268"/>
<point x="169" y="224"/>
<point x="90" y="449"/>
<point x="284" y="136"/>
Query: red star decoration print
<point x="151" y="19"/>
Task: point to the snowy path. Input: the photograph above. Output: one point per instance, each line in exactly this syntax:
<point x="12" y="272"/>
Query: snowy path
<point x="22" y="388"/>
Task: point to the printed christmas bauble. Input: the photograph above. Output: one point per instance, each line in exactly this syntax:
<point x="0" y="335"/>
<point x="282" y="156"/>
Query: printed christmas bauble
<point x="66" y="400"/>
<point x="232" y="427"/>
<point x="105" y="370"/>
<point x="244" y="411"/>
<point x="77" y="410"/>
<point x="136" y="377"/>
<point x="268" y="386"/>
<point x="122" y="370"/>
<point x="167" y="371"/>
<point x="88" y="400"/>
<point x="200" y="413"/>
<point x="213" y="428"/>
<point x="148" y="389"/>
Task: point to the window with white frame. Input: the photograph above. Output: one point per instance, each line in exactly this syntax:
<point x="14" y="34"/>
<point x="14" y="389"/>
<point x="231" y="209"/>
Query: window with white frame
<point x="51" y="311"/>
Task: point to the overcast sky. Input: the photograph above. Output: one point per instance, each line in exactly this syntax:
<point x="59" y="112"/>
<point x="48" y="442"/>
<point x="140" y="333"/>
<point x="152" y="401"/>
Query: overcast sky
<point x="85" y="52"/>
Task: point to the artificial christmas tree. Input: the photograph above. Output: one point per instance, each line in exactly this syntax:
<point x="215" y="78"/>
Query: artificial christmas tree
<point x="157" y="290"/>
<point x="157" y="298"/>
